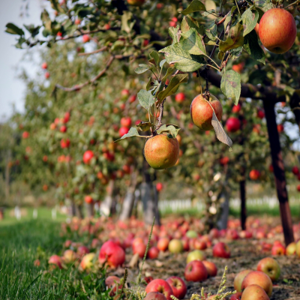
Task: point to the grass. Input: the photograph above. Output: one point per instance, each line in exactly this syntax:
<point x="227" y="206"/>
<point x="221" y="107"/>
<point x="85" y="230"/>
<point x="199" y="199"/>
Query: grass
<point x="20" y="279"/>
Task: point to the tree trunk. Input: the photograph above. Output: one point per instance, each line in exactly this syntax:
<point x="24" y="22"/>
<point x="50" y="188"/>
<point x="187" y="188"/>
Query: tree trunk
<point x="7" y="175"/>
<point x="106" y="206"/>
<point x="90" y="209"/>
<point x="279" y="173"/>
<point x="73" y="209"/>
<point x="79" y="211"/>
<point x="224" y="207"/>
<point x="243" y="204"/>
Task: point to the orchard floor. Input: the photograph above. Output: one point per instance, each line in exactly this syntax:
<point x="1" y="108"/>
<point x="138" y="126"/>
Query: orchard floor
<point x="21" y="244"/>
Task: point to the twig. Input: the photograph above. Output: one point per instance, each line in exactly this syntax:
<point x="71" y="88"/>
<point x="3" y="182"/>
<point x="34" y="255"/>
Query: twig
<point x="93" y="52"/>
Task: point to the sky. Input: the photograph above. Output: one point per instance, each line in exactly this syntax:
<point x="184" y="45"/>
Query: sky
<point x="12" y="89"/>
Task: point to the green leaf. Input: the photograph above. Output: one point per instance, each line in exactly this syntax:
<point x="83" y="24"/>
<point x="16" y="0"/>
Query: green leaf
<point x="13" y="29"/>
<point x="253" y="48"/>
<point x="149" y="84"/>
<point x="169" y="72"/>
<point x="46" y="20"/>
<point x="234" y="40"/>
<point x="174" y="34"/>
<point x="117" y="45"/>
<point x="193" y="43"/>
<point x="250" y="19"/>
<point x="188" y="23"/>
<point x="173" y="86"/>
<point x="170" y="129"/>
<point x="144" y="126"/>
<point x="132" y="132"/>
<point x="155" y="56"/>
<point x="184" y="61"/>
<point x="211" y="29"/>
<point x="196" y="5"/>
<point x="146" y="99"/>
<point x="32" y="29"/>
<point x="142" y="69"/>
<point x="126" y="17"/>
<point x="231" y="85"/>
<point x="161" y="64"/>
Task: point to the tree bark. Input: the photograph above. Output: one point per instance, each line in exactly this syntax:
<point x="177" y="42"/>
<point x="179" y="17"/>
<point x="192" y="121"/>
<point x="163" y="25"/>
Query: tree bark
<point x="7" y="175"/>
<point x="90" y="209"/>
<point x="223" y="219"/>
<point x="106" y="206"/>
<point x="243" y="203"/>
<point x="79" y="212"/>
<point x="279" y="173"/>
<point x="73" y="209"/>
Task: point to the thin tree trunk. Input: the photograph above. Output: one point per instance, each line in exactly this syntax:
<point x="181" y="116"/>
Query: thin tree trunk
<point x="243" y="204"/>
<point x="79" y="211"/>
<point x="90" y="209"/>
<point x="280" y="181"/>
<point x="224" y="207"/>
<point x="73" y="209"/>
<point x="7" y="176"/>
<point x="106" y="206"/>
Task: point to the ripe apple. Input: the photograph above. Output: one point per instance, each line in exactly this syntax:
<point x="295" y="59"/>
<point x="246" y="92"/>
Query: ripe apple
<point x="180" y="97"/>
<point x="140" y="248"/>
<point x="125" y="93"/>
<point x="259" y="278"/>
<point x="111" y="253"/>
<point x="178" y="286"/>
<point x="175" y="246"/>
<point x="136" y="2"/>
<point x="86" y="38"/>
<point x="191" y="234"/>
<point x="161" y="286"/>
<point x="291" y="249"/>
<point x="295" y="170"/>
<point x="64" y="143"/>
<point x="270" y="267"/>
<point x="126" y="122"/>
<point x="233" y="124"/>
<point x="87" y="261"/>
<point x="237" y="283"/>
<point x="87" y="156"/>
<point x="123" y="131"/>
<point x="25" y="135"/>
<point x="236" y="296"/>
<point x="254" y="292"/>
<point x="277" y="30"/>
<point x="82" y="250"/>
<point x="88" y="199"/>
<point x="260" y="113"/>
<point x="55" y="261"/>
<point x="161" y="151"/>
<point x="195" y="271"/>
<point x="278" y="249"/>
<point x="159" y="186"/>
<point x="153" y="253"/>
<point x="254" y="174"/>
<point x="44" y="65"/>
<point x="220" y="249"/>
<point x="155" y="296"/>
<point x="113" y="284"/>
<point x="211" y="268"/>
<point x="239" y="67"/>
<point x="69" y="256"/>
<point x="236" y="108"/>
<point x="195" y="255"/>
<point x="280" y="128"/>
<point x="298" y="249"/>
<point x="202" y="112"/>
<point x="47" y="75"/>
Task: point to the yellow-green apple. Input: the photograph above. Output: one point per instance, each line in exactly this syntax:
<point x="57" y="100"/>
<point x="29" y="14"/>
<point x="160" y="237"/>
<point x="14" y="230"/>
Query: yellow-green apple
<point x="220" y="249"/>
<point x="259" y="278"/>
<point x="87" y="261"/>
<point x="211" y="268"/>
<point x="298" y="249"/>
<point x="277" y="30"/>
<point x="153" y="253"/>
<point x="195" y="255"/>
<point x="270" y="267"/>
<point x="178" y="286"/>
<point x="155" y="296"/>
<point x="161" y="286"/>
<point x="237" y="283"/>
<point x="291" y="249"/>
<point x="195" y="271"/>
<point x="112" y="254"/>
<point x="202" y="111"/>
<point x="191" y="234"/>
<point x="161" y="151"/>
<point x="254" y="292"/>
<point x="55" y="261"/>
<point x="175" y="246"/>
<point x="69" y="256"/>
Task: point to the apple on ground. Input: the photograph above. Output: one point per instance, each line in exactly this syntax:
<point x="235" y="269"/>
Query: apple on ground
<point x="259" y="278"/>
<point x="55" y="261"/>
<point x="175" y="246"/>
<point x="211" y="268"/>
<point x="113" y="283"/>
<point x="238" y="280"/>
<point x="87" y="261"/>
<point x="270" y="267"/>
<point x="112" y="254"/>
<point x="220" y="249"/>
<point x="236" y="296"/>
<point x="291" y="249"/>
<point x="195" y="255"/>
<point x="69" y="256"/>
<point x="161" y="286"/>
<point x="195" y="271"/>
<point x="254" y="292"/>
<point x="155" y="296"/>
<point x="153" y="253"/>
<point x="162" y="244"/>
<point x="178" y="286"/>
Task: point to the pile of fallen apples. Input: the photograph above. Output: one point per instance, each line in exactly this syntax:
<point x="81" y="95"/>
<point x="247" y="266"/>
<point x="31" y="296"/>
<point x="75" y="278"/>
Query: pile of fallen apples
<point x="111" y="242"/>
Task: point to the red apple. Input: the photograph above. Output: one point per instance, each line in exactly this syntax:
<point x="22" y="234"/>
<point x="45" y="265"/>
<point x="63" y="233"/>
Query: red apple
<point x="63" y="129"/>
<point x="159" y="186"/>
<point x="180" y="97"/>
<point x="254" y="174"/>
<point x="25" y="135"/>
<point x="88" y="199"/>
<point x="87" y="156"/>
<point x="47" y="75"/>
<point x="195" y="271"/>
<point x="44" y="65"/>
<point x="162" y="244"/>
<point x="236" y="108"/>
<point x="236" y="296"/>
<point x="278" y="249"/>
<point x="111" y="253"/>
<point x="221" y="250"/>
<point x="69" y="256"/>
<point x="126" y="122"/>
<point x="238" y="280"/>
<point x="254" y="292"/>
<point x="153" y="253"/>
<point x="123" y="131"/>
<point x="55" y="261"/>
<point x="280" y="128"/>
<point x="277" y="30"/>
<point x="86" y="38"/>
<point x="178" y="286"/>
<point x="239" y="67"/>
<point x="161" y="286"/>
<point x="211" y="268"/>
<point x="295" y="170"/>
<point x="113" y="284"/>
<point x="233" y="124"/>
<point x="155" y="296"/>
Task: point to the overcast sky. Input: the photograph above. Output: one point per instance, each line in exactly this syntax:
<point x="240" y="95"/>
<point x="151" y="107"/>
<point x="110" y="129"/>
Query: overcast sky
<point x="12" y="89"/>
